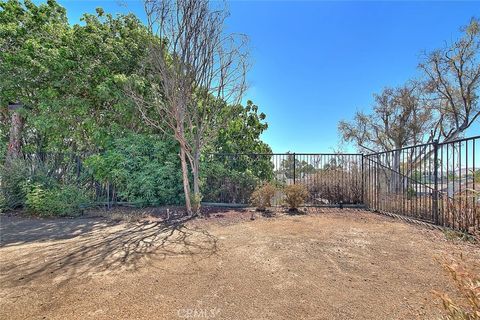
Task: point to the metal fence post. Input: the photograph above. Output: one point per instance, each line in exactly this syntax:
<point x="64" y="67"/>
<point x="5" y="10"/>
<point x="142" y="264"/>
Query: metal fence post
<point x="363" y="184"/>
<point x="435" y="182"/>
<point x="294" y="168"/>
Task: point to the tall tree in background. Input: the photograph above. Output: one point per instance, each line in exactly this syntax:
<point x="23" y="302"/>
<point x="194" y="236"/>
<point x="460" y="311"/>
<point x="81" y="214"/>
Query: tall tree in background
<point x="452" y="79"/>
<point x="292" y="167"/>
<point x="446" y="100"/>
<point x="400" y="117"/>
<point x="195" y="69"/>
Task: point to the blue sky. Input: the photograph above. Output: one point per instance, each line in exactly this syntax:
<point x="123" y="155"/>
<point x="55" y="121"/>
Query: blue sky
<point x="316" y="62"/>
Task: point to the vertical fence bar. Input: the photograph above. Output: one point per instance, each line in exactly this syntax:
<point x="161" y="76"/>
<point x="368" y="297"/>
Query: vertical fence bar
<point x="294" y="168"/>
<point x="362" y="190"/>
<point x="435" y="182"/>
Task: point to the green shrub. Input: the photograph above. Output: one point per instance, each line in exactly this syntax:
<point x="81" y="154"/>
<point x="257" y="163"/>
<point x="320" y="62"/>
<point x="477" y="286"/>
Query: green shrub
<point x="223" y="184"/>
<point x="295" y="196"/>
<point x="144" y="170"/>
<point x="66" y="200"/>
<point x="13" y="177"/>
<point x="262" y="196"/>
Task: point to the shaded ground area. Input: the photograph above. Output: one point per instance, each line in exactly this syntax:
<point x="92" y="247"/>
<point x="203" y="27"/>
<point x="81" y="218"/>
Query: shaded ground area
<point x="333" y="264"/>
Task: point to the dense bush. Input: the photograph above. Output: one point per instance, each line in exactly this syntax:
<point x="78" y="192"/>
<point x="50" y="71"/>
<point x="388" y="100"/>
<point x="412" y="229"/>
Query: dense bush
<point x="13" y="177"/>
<point x="65" y="200"/>
<point x="143" y="169"/>
<point x="223" y="184"/>
<point x="295" y="196"/>
<point x="262" y="196"/>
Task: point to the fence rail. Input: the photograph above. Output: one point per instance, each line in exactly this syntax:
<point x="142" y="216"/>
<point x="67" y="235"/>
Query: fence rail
<point x="329" y="178"/>
<point x="435" y="182"/>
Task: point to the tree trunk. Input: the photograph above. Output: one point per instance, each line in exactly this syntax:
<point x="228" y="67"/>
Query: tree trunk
<point x="396" y="179"/>
<point x="196" y="181"/>
<point x="186" y="183"/>
<point x="14" y="150"/>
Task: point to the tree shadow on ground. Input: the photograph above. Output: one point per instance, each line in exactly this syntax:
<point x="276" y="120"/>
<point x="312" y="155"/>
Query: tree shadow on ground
<point x="21" y="230"/>
<point x="104" y="248"/>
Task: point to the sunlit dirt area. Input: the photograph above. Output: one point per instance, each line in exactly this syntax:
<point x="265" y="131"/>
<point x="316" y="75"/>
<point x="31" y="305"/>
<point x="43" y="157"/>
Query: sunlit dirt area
<point x="332" y="264"/>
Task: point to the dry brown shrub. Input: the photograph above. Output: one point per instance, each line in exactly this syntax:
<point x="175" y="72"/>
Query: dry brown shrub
<point x="295" y="195"/>
<point x="462" y="211"/>
<point x="262" y="196"/>
<point x="335" y="186"/>
<point x="467" y="280"/>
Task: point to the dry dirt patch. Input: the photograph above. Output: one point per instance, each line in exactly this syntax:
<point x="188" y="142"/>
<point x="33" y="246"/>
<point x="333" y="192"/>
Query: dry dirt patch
<point x="330" y="265"/>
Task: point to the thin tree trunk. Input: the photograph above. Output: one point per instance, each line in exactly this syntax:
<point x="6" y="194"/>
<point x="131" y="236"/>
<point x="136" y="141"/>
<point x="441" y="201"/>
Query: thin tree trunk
<point x="196" y="180"/>
<point x="14" y="150"/>
<point x="186" y="183"/>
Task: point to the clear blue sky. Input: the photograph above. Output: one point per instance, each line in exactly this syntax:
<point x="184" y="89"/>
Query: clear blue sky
<point x="315" y="63"/>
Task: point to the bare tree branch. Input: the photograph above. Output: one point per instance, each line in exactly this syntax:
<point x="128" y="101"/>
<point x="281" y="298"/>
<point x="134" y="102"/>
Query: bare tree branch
<point x="194" y="69"/>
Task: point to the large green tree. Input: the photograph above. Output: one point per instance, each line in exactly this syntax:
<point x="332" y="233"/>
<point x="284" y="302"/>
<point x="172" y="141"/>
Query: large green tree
<point x="68" y="77"/>
<point x="32" y="47"/>
<point x="238" y="160"/>
<point x="71" y="80"/>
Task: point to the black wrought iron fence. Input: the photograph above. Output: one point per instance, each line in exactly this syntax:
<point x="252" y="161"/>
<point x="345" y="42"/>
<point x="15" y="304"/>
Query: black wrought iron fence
<point x="329" y="178"/>
<point x="435" y="182"/>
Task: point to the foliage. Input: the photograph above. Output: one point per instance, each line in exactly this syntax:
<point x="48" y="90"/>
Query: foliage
<point x="241" y="138"/>
<point x="13" y="178"/>
<point x="295" y="195"/>
<point x="62" y="200"/>
<point x="68" y="77"/>
<point x="398" y="118"/>
<point x="197" y="68"/>
<point x="71" y="80"/>
<point x="302" y="167"/>
<point x="224" y="184"/>
<point x="467" y="280"/>
<point x="262" y="196"/>
<point x="31" y="42"/>
<point x="38" y="186"/>
<point x="233" y="173"/>
<point x="242" y="135"/>
<point x="143" y="169"/>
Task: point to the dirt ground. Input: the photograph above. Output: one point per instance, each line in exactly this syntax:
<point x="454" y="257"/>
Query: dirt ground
<point x="334" y="264"/>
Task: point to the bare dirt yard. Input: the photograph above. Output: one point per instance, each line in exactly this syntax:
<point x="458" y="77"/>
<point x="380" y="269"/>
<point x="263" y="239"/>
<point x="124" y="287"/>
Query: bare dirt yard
<point x="333" y="264"/>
